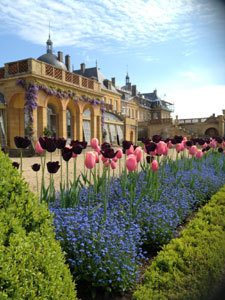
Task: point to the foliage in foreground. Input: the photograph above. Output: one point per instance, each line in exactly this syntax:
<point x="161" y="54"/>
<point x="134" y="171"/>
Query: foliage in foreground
<point x="32" y="265"/>
<point x="106" y="252"/>
<point x="189" y="266"/>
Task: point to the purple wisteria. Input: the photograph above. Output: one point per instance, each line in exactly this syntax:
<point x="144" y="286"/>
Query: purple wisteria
<point x="32" y="94"/>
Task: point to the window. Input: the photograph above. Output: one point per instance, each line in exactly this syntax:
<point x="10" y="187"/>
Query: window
<point x="116" y="105"/>
<point x="138" y="115"/>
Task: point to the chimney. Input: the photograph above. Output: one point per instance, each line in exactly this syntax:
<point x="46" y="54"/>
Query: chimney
<point x="67" y="62"/>
<point x="113" y="81"/>
<point x="60" y="56"/>
<point x="82" y="67"/>
<point x="134" y="90"/>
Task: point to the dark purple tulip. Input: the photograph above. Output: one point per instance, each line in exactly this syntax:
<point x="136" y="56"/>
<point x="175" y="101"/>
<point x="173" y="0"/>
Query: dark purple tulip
<point x="220" y="150"/>
<point x="77" y="148"/>
<point x="156" y="138"/>
<point x="109" y="153"/>
<point x="53" y="166"/>
<point x="189" y="143"/>
<point x="204" y="150"/>
<point x="149" y="159"/>
<point x="67" y="153"/>
<point x="3" y="150"/>
<point x="218" y="139"/>
<point x="42" y="141"/>
<point x="22" y="142"/>
<point x="167" y="140"/>
<point x="150" y="147"/>
<point x="207" y="148"/>
<point x="35" y="167"/>
<point x="15" y="164"/>
<point x="127" y="145"/>
<point x="50" y="144"/>
<point x="105" y="146"/>
<point x="178" y="139"/>
<point x="84" y="144"/>
<point x="201" y="142"/>
<point x="145" y="140"/>
<point x="60" y="143"/>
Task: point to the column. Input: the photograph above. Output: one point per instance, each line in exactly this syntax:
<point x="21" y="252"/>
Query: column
<point x="62" y="124"/>
<point x="41" y="119"/>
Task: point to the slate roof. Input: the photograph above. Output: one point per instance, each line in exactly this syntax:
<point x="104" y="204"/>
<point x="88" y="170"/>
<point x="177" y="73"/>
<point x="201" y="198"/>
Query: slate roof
<point x="95" y="73"/>
<point x="51" y="59"/>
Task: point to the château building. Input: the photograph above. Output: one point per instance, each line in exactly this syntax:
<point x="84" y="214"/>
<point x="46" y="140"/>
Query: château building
<point x="44" y="94"/>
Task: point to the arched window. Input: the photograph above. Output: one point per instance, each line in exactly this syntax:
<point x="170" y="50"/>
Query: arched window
<point x="52" y="120"/>
<point x="69" y="125"/>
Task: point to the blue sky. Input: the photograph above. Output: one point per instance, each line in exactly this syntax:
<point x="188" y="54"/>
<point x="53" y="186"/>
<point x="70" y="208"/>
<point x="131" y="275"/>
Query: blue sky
<point x="175" y="46"/>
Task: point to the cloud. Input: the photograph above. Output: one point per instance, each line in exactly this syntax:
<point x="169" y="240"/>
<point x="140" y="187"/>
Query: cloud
<point x="93" y="24"/>
<point x="198" y="102"/>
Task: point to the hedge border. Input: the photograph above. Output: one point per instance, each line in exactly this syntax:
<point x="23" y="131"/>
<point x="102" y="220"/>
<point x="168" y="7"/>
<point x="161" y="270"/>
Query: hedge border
<point x="32" y="264"/>
<point x="189" y="266"/>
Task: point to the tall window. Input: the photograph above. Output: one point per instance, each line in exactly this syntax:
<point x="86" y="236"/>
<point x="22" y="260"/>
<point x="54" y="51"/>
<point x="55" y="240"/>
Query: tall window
<point x="69" y="124"/>
<point x="52" y="120"/>
<point x="116" y="105"/>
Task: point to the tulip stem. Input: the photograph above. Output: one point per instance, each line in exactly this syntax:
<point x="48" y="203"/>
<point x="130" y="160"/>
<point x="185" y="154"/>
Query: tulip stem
<point x="61" y="166"/>
<point x="67" y="176"/>
<point x="107" y="198"/>
<point x="89" y="193"/>
<point x="75" y="170"/>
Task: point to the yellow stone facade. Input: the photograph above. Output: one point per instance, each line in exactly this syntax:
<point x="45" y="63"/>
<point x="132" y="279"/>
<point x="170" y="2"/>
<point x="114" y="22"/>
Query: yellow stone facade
<point x="40" y="73"/>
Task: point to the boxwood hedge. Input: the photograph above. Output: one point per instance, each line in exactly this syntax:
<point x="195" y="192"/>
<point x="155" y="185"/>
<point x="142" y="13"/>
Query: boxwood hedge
<point x="32" y="265"/>
<point x="190" y="265"/>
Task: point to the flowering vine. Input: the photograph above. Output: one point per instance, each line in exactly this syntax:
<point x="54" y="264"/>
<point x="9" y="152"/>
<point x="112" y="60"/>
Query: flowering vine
<point x="31" y="96"/>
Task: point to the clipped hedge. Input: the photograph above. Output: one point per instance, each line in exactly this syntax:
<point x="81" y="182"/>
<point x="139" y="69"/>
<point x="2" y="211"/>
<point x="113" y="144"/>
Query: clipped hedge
<point x="32" y="265"/>
<point x="190" y="265"/>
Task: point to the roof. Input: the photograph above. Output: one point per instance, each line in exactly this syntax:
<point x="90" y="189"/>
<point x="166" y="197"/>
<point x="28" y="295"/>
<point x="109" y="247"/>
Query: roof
<point x="51" y="59"/>
<point x="95" y="73"/>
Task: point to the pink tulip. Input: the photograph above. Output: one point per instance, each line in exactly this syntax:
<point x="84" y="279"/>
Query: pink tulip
<point x="165" y="153"/>
<point x="90" y="160"/>
<point x="104" y="159"/>
<point x="96" y="157"/>
<point x="138" y="152"/>
<point x="182" y="146"/>
<point x="113" y="164"/>
<point x="204" y="145"/>
<point x="213" y="144"/>
<point x="178" y="147"/>
<point x="193" y="150"/>
<point x="184" y="139"/>
<point x="94" y="143"/>
<point x="170" y="145"/>
<point x="199" y="154"/>
<point x="160" y="147"/>
<point x="154" y="166"/>
<point x="106" y="164"/>
<point x="119" y="153"/>
<point x="130" y="150"/>
<point x="98" y="150"/>
<point x="153" y="153"/>
<point x="115" y="159"/>
<point x="131" y="162"/>
<point x="38" y="148"/>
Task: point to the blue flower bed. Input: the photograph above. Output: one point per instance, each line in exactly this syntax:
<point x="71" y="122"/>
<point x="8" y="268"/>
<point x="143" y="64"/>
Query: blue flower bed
<point x="107" y="253"/>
